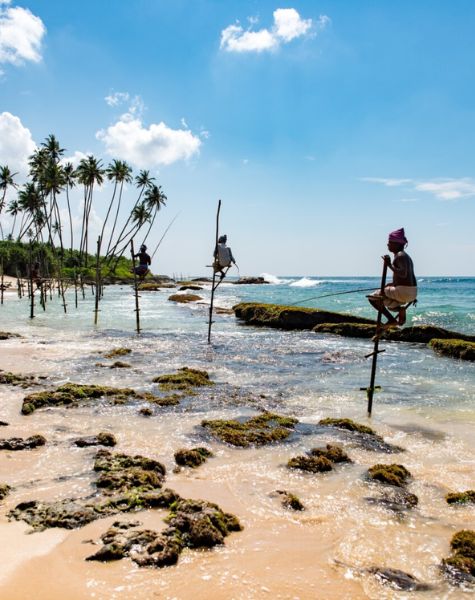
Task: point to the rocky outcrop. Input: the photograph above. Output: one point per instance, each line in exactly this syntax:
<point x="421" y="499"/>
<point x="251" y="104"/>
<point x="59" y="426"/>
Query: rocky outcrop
<point x="250" y="281"/>
<point x="361" y="435"/>
<point x="23" y="381"/>
<point x="103" y="438"/>
<point x="319" y="460"/>
<point x="289" y="500"/>
<point x="290" y="317"/>
<point x="184" y="379"/>
<point x="17" y="443"/>
<point x="192" y="457"/>
<point x="464" y="350"/>
<point x="460" y="567"/>
<point x="5" y="335"/>
<point x="467" y="497"/>
<point x="396" y="475"/>
<point x="184" y="298"/>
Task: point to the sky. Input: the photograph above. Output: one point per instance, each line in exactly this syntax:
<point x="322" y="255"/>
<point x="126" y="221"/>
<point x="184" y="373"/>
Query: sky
<point x="321" y="125"/>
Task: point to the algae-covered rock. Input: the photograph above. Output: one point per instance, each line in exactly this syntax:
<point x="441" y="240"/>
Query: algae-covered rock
<point x="154" y="286"/>
<point x="397" y="500"/>
<point x="290" y="501"/>
<point x="17" y="443"/>
<point x="250" y="281"/>
<point x="347" y="424"/>
<point x="184" y="298"/>
<point x="119" y="364"/>
<point x="184" y="379"/>
<point x="362" y="435"/>
<point x="146" y="412"/>
<point x="4" y="490"/>
<point x="467" y="497"/>
<point x="103" y="438"/>
<point x="460" y="567"/>
<point x="354" y="330"/>
<point x="23" y="381"/>
<point x="335" y="454"/>
<point x="290" y="317"/>
<point x="454" y="348"/>
<point x="399" y="580"/>
<point x="192" y="287"/>
<point x="312" y="464"/>
<point x="259" y="430"/>
<point x="117" y="352"/>
<point x="192" y="457"/>
<point x="5" y="335"/>
<point x="396" y="475"/>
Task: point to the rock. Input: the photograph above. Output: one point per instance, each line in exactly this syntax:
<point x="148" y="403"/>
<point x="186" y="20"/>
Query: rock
<point x="117" y="352"/>
<point x="290" y="501"/>
<point x="146" y="412"/>
<point x="396" y="475"/>
<point x="4" y="490"/>
<point x="195" y="288"/>
<point x="250" y="281"/>
<point x="312" y="464"/>
<point x="118" y="364"/>
<point x="354" y="330"/>
<point x="154" y="287"/>
<point x="184" y="379"/>
<point x="361" y="435"/>
<point x="460" y="567"/>
<point x="68" y="514"/>
<point x="334" y="454"/>
<point x="192" y="457"/>
<point x="467" y="497"/>
<point x="290" y="317"/>
<point x="262" y="429"/>
<point x="23" y="381"/>
<point x="5" y="335"/>
<point x="184" y="298"/>
<point x="17" y="443"/>
<point x="102" y="439"/>
<point x="395" y="499"/>
<point x="399" y="580"/>
<point x="4" y="424"/>
<point x="454" y="348"/>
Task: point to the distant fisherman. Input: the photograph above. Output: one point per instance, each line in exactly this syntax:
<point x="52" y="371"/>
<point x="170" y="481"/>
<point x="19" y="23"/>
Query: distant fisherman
<point x="403" y="289"/>
<point x="144" y="262"/>
<point x="223" y="257"/>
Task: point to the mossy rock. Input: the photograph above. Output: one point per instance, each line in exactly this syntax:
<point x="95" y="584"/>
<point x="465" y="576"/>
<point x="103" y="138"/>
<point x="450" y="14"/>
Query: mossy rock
<point x="192" y="457"/>
<point x="396" y="475"/>
<point x="260" y="430"/>
<point x="454" y="348"/>
<point x="184" y="298"/>
<point x="467" y="497"/>
<point x="362" y="435"/>
<point x="6" y="335"/>
<point x="290" y="317"/>
<point x="347" y="424"/>
<point x="146" y="412"/>
<point x="334" y="453"/>
<point x="311" y="464"/>
<point x="354" y="330"/>
<point x="397" y="500"/>
<point x="117" y="352"/>
<point x="23" y="381"/>
<point x="18" y="443"/>
<point x="104" y="438"/>
<point x="5" y="489"/>
<point x="154" y="286"/>
<point x="184" y="379"/>
<point x="192" y="287"/>
<point x="460" y="567"/>
<point x="290" y="501"/>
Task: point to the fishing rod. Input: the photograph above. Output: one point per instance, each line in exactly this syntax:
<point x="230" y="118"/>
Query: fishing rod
<point x="165" y="233"/>
<point x="371" y="289"/>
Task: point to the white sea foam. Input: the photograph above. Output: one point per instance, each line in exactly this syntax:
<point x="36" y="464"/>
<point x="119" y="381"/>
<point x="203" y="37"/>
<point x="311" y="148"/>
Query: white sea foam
<point x="273" y="279"/>
<point x="305" y="282"/>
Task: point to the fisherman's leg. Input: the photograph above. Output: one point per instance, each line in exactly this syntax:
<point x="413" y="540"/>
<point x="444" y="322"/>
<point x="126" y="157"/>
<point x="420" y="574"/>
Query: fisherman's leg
<point x="377" y="301"/>
<point x="401" y="315"/>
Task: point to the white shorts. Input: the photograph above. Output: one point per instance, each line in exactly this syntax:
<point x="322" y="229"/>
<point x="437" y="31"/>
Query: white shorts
<point x="397" y="295"/>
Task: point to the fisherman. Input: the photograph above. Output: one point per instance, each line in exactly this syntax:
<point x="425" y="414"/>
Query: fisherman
<point x="223" y="257"/>
<point x="144" y="262"/>
<point x="402" y="292"/>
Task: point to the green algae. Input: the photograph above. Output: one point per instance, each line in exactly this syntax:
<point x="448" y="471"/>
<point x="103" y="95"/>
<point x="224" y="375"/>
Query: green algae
<point x="347" y="424"/>
<point x="262" y="429"/>
<point x="184" y="379"/>
<point x="192" y="457"/>
<point x="460" y="567"/>
<point x="354" y="330"/>
<point x="454" y="348"/>
<point x="311" y="464"/>
<point x="24" y="381"/>
<point x="117" y="352"/>
<point x="290" y="501"/>
<point x="332" y="452"/>
<point x="467" y="497"/>
<point x="184" y="298"/>
<point x="393" y="474"/>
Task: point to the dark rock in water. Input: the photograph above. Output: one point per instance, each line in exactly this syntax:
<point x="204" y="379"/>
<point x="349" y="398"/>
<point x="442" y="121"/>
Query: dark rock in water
<point x="312" y="464"/>
<point x="362" y="435"/>
<point x="184" y="298"/>
<point x="259" y="430"/>
<point x="102" y="439"/>
<point x="396" y="475"/>
<point x="117" y="352"/>
<point x="250" y="281"/>
<point x="290" y="501"/>
<point x="146" y="412"/>
<point x="395" y="499"/>
<point x="192" y="457"/>
<point x="460" y="567"/>
<point x="5" y="335"/>
<point x="4" y="424"/>
<point x="184" y="379"/>
<point x="23" y="381"/>
<point x="68" y="514"/>
<point x="290" y="317"/>
<point x="195" y="288"/>
<point x="355" y="330"/>
<point x="467" y="497"/>
<point x="399" y="580"/>
<point x="22" y="444"/>
<point x="4" y="490"/>
<point x="118" y="364"/>
<point x="454" y="348"/>
<point x="333" y="453"/>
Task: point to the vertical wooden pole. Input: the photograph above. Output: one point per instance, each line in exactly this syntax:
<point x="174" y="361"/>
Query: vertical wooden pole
<point x="75" y="288"/>
<point x="370" y="390"/>
<point x="214" y="277"/>
<point x="3" y="282"/>
<point x="32" y="292"/>
<point x="98" y="280"/>
<point x="137" y="308"/>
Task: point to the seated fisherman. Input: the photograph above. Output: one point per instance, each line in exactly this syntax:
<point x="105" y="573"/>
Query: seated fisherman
<point x="403" y="289"/>
<point x="223" y="257"/>
<point x="144" y="262"/>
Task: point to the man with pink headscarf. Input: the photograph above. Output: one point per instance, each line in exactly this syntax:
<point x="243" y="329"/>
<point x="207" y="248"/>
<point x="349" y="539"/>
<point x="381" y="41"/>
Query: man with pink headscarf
<point x="403" y="289"/>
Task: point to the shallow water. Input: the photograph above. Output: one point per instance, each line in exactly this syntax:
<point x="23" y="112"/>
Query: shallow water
<point x="426" y="406"/>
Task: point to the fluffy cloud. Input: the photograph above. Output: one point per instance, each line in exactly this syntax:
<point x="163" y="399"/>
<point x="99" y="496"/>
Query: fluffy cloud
<point x="148" y="147"/>
<point x="444" y="189"/>
<point x="288" y="25"/>
<point x="16" y="143"/>
<point x="21" y="34"/>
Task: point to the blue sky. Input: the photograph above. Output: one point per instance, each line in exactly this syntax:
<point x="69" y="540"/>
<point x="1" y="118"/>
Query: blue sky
<point x="322" y="126"/>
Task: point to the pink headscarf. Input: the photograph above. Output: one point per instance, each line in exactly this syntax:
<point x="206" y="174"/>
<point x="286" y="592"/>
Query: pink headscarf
<point x="398" y="236"/>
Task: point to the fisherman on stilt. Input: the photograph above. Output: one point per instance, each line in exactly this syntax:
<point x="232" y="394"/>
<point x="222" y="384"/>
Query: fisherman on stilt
<point x="144" y="262"/>
<point x="223" y="257"/>
<point x="402" y="292"/>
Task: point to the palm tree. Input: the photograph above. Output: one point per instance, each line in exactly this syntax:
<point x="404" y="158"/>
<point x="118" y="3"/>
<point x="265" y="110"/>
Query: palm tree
<point x="51" y="145"/>
<point x="31" y="205"/>
<point x="119" y="172"/>
<point x="69" y="182"/>
<point x="13" y="210"/>
<point x="139" y="216"/>
<point x="6" y="181"/>
<point x="89" y="173"/>
<point x="154" y="199"/>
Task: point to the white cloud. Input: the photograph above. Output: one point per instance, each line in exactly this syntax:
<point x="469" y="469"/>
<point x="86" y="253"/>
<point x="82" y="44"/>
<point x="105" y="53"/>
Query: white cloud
<point x="75" y="159"/>
<point x="444" y="189"/>
<point x="16" y="143"/>
<point x="117" y="98"/>
<point x="288" y="25"/>
<point x="21" y="34"/>
<point x="389" y="182"/>
<point x="148" y="147"/>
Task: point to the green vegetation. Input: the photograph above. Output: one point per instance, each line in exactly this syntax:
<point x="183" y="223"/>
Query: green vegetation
<point x="393" y="474"/>
<point x="461" y="349"/>
<point x="184" y="298"/>
<point x="460" y="566"/>
<point x="184" y="379"/>
<point x="192" y="457"/>
<point x="290" y="501"/>
<point x="311" y="464"/>
<point x="23" y="381"/>
<point x="262" y="429"/>
<point x="334" y="453"/>
<point x="467" y="497"/>
<point x="117" y="352"/>
<point x="347" y="424"/>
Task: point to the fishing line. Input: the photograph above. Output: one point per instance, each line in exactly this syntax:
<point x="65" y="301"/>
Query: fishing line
<point x="165" y="233"/>
<point x="335" y="294"/>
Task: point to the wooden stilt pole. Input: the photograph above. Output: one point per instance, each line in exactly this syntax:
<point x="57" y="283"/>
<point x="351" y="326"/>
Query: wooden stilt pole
<point x="75" y="289"/>
<point x="136" y="290"/>
<point x="32" y="292"/>
<point x="98" y="281"/>
<point x="213" y="286"/>
<point x="376" y="351"/>
<point x="2" y="285"/>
